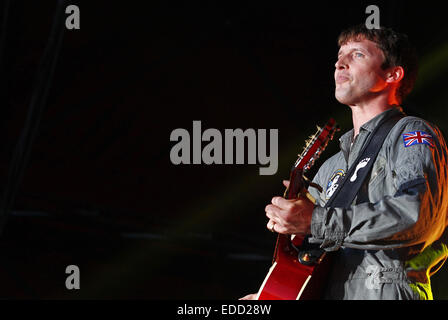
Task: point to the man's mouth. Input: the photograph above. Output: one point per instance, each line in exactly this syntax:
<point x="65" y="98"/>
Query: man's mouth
<point x="341" y="79"/>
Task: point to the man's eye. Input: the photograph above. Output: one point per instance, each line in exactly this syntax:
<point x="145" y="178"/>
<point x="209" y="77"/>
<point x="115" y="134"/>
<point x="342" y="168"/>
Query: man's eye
<point x="359" y="55"/>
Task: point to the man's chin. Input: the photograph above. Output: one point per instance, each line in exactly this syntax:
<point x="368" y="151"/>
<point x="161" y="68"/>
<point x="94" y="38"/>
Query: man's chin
<point x="342" y="99"/>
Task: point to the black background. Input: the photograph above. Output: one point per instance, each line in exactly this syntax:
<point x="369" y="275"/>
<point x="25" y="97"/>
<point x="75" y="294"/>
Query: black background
<point x="99" y="189"/>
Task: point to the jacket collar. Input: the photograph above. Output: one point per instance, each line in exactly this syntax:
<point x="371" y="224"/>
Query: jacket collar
<point x="346" y="139"/>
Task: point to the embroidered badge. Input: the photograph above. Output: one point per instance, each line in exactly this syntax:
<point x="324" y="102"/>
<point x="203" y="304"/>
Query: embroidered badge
<point x="417" y="137"/>
<point x="333" y="184"/>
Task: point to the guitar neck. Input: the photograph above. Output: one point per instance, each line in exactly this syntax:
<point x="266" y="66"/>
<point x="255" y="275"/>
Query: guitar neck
<point x="296" y="185"/>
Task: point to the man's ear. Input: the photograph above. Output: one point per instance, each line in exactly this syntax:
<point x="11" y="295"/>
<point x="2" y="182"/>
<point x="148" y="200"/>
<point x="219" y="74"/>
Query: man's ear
<point x="395" y="74"/>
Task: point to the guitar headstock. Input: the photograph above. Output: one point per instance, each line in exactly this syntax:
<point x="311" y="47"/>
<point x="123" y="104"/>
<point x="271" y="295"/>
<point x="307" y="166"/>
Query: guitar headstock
<point x="315" y="145"/>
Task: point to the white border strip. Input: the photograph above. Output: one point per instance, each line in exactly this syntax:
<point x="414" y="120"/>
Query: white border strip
<point x="265" y="280"/>
<point x="303" y="287"/>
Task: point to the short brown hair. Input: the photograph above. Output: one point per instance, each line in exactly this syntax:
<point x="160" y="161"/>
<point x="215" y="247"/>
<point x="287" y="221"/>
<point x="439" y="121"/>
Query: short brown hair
<point x="397" y="50"/>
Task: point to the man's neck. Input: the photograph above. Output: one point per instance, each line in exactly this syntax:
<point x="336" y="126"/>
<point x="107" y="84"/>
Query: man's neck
<point x="373" y="105"/>
<point x="364" y="113"/>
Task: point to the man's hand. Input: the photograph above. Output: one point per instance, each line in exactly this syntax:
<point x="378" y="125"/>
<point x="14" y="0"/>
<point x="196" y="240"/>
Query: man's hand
<point x="290" y="216"/>
<point x="252" y="296"/>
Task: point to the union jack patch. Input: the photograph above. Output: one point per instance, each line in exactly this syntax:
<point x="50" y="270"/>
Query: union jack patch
<point x="417" y="137"/>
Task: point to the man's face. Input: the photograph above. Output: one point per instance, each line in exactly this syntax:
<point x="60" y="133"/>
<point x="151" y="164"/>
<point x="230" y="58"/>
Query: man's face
<point x="358" y="74"/>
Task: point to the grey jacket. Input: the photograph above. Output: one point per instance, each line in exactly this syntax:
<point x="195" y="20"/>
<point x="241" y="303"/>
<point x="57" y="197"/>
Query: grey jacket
<point x="386" y="248"/>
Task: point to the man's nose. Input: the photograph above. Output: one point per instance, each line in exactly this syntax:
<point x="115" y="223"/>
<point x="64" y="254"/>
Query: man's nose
<point x="341" y="64"/>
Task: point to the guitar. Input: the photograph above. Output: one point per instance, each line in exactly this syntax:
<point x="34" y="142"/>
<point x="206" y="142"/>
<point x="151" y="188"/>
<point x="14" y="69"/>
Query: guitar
<point x="299" y="268"/>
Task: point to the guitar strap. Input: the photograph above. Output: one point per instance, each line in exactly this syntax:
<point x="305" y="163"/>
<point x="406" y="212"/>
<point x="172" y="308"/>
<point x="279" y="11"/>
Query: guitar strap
<point x="353" y="181"/>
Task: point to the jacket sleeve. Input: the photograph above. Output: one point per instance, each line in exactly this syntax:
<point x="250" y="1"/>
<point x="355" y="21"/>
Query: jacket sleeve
<point x="414" y="214"/>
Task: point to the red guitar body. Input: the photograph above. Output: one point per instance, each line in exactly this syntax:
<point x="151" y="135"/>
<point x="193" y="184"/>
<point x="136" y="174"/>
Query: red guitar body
<point x="300" y="269"/>
<point x="290" y="279"/>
